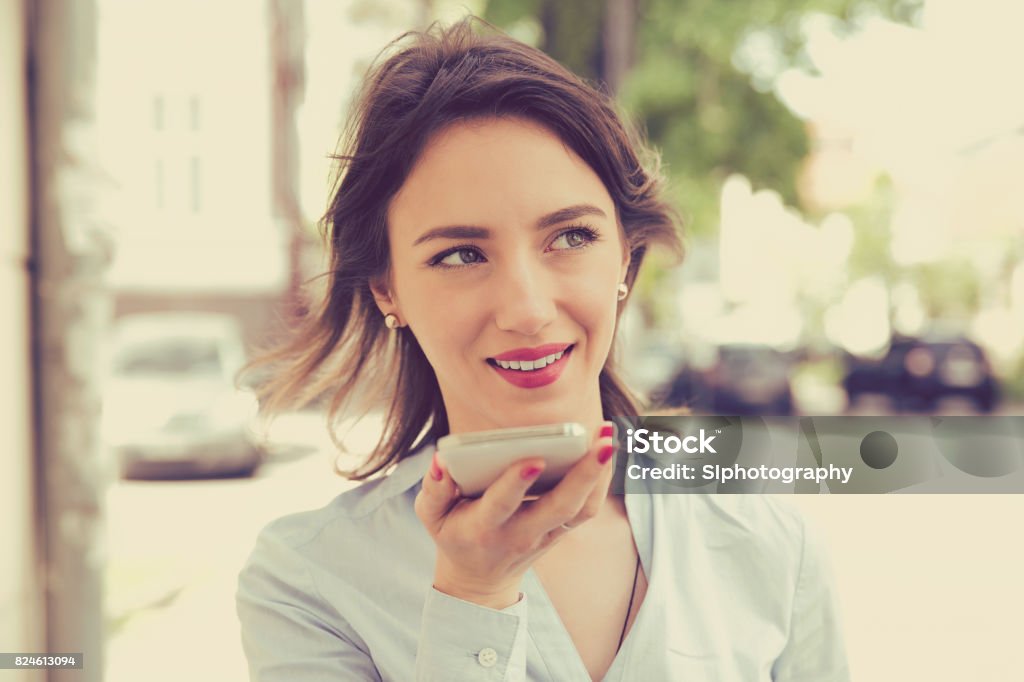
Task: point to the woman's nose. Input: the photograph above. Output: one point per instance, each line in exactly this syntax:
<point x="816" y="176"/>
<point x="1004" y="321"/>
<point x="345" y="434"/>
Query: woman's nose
<point x="523" y="301"/>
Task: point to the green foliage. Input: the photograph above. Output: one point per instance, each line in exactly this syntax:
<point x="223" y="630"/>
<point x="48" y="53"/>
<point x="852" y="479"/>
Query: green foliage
<point x="871" y="253"/>
<point x="949" y="289"/>
<point x="708" y="118"/>
<point x="572" y="29"/>
<point x="710" y="123"/>
<point x="703" y="97"/>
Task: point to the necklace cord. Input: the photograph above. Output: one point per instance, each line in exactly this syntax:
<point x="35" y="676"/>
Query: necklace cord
<point x="629" y="609"/>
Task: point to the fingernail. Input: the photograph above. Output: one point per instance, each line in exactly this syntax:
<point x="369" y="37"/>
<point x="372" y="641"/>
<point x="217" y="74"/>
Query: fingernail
<point x="607" y="431"/>
<point x="530" y="472"/>
<point x="605" y="454"/>
<point x="435" y="470"/>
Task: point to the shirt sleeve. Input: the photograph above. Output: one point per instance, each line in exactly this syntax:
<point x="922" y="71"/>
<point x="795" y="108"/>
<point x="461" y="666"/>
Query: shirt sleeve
<point x="814" y="651"/>
<point x="460" y="640"/>
<point x="289" y="632"/>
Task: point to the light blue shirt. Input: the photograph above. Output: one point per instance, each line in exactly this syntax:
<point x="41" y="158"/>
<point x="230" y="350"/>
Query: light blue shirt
<point x="738" y="589"/>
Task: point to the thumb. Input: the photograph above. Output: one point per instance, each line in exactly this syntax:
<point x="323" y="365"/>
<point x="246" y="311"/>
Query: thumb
<point x="436" y="497"/>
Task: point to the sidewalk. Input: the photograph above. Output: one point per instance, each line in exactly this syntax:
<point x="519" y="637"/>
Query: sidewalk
<point x="175" y="549"/>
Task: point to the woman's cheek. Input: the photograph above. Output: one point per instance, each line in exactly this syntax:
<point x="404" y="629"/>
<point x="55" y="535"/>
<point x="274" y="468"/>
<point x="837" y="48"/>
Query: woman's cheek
<point x="595" y="303"/>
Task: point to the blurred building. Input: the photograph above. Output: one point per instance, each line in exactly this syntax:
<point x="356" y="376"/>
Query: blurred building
<point x="185" y="114"/>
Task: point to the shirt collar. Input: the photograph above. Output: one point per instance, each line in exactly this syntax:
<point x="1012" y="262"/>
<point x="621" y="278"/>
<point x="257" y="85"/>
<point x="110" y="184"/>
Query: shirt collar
<point x="409" y="472"/>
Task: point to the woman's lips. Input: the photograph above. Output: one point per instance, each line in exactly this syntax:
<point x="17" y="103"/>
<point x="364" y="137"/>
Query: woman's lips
<point x="534" y="378"/>
<point x="532" y="353"/>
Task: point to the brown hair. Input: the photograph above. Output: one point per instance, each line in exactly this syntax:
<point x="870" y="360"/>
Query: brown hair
<point x="444" y="75"/>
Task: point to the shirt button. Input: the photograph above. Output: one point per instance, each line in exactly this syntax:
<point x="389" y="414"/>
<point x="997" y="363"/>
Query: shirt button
<point x="487" y="657"/>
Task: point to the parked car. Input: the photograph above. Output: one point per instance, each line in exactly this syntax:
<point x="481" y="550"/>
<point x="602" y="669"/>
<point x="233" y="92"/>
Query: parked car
<point x="915" y="373"/>
<point x="745" y="379"/>
<point x="647" y="366"/>
<point x="171" y="409"/>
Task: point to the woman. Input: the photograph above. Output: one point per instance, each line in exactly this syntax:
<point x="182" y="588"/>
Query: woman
<point x="492" y="207"/>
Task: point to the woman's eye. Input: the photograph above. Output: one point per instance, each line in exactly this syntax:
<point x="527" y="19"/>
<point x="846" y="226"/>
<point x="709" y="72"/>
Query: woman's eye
<point x="458" y="257"/>
<point x="574" y="239"/>
<point x="462" y="256"/>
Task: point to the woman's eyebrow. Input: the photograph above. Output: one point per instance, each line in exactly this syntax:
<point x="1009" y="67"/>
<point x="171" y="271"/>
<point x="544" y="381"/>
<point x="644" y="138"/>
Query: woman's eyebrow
<point x="545" y="221"/>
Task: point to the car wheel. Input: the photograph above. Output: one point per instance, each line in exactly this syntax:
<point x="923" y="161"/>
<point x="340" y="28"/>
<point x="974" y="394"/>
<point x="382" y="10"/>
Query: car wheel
<point x="985" y="402"/>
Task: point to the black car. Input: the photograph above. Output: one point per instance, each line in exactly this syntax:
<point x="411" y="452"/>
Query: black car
<point x="745" y="379"/>
<point x="916" y="373"/>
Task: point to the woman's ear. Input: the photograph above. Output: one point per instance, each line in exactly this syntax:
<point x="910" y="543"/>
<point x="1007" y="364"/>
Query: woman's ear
<point x="382" y="295"/>
<point x="624" y="266"/>
<point x="627" y="254"/>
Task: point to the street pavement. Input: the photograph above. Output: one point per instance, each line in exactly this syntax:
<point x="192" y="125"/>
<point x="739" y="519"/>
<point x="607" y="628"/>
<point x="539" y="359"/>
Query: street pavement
<point x="175" y="548"/>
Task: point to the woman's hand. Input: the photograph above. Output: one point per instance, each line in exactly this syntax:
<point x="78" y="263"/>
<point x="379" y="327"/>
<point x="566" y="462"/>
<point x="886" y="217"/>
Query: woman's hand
<point x="486" y="545"/>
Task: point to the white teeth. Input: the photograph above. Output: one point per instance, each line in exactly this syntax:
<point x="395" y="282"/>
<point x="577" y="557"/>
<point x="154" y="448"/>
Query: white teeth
<point x="530" y="365"/>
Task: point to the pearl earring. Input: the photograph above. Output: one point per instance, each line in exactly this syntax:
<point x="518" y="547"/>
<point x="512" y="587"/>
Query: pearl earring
<point x="390" y="321"/>
<point x="623" y="291"/>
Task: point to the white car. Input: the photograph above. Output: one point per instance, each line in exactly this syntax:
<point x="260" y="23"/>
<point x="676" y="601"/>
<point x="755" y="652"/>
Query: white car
<point x="171" y="409"/>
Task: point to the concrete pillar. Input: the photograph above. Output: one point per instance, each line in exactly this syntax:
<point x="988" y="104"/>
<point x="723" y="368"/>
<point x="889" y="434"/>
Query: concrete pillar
<point x="70" y="314"/>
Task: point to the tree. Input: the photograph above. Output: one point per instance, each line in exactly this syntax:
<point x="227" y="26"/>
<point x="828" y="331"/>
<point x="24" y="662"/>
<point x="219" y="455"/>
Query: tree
<point x="685" y="86"/>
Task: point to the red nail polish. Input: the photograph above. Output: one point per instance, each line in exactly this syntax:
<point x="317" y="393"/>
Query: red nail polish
<point x="530" y="472"/>
<point x="605" y="454"/>
<point x="607" y="431"/>
<point x="435" y="470"/>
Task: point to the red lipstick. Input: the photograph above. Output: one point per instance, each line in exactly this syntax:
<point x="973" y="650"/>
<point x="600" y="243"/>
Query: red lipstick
<point x="532" y="353"/>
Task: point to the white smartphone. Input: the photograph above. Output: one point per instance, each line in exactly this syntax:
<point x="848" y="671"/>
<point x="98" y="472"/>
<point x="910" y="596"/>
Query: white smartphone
<point x="476" y="460"/>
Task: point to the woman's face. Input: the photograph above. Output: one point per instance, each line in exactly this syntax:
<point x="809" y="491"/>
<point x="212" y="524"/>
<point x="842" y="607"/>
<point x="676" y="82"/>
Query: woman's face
<point x="505" y="248"/>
